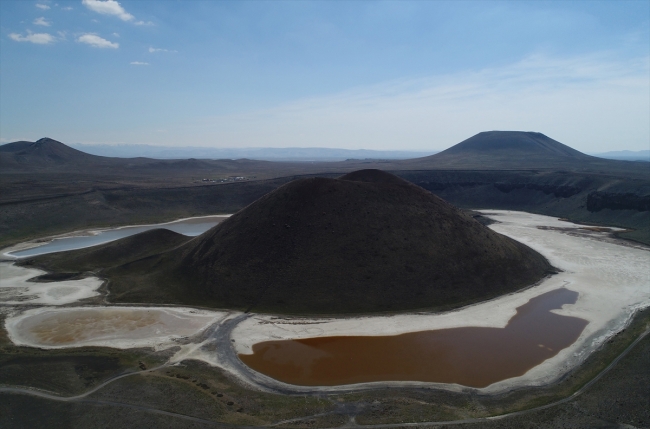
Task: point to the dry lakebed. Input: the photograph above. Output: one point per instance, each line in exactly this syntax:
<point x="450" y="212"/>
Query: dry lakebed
<point x="528" y="338"/>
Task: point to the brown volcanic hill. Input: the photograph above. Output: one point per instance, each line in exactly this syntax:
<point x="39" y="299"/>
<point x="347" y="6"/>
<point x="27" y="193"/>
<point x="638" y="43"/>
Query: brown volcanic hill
<point x="366" y="242"/>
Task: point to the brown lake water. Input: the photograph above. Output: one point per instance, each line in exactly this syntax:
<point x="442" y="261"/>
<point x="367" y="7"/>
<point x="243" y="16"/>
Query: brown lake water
<point x="469" y="356"/>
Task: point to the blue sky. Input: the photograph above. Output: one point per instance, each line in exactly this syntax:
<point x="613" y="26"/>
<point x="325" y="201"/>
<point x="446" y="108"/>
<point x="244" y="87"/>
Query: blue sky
<point x="359" y="74"/>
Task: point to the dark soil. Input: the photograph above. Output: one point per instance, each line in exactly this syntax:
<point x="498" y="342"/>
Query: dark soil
<point x="67" y="371"/>
<point x="367" y="242"/>
<point x="552" y="193"/>
<point x="49" y="188"/>
<point x="56" y="277"/>
<point x="96" y="258"/>
<point x="619" y="399"/>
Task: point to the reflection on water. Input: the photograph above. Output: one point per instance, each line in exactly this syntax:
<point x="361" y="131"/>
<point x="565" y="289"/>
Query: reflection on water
<point x="189" y="227"/>
<point x="470" y="356"/>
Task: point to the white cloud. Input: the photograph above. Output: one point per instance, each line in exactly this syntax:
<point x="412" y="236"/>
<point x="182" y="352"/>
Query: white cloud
<point x="42" y="6"/>
<point x="38" y="38"/>
<point x="97" y="42"/>
<point x="41" y="21"/>
<point x="590" y="102"/>
<point x="152" y="50"/>
<point x="116" y="34"/>
<point x="108" y="7"/>
<point x="67" y="8"/>
<point x="139" y="63"/>
<point x="62" y="35"/>
<point x="147" y="23"/>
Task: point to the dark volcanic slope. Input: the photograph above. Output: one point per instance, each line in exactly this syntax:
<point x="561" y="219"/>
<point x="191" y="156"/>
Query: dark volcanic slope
<point x="118" y="252"/>
<point x="368" y="241"/>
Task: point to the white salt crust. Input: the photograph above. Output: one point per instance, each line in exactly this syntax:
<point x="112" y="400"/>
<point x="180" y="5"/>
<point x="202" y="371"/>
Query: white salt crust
<point x="611" y="276"/>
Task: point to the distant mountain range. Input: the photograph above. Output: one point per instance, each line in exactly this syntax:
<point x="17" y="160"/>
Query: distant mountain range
<point x="256" y="153"/>
<point x="43" y="152"/>
<point x="518" y="150"/>
<point x="626" y="155"/>
<point x="497" y="169"/>
<point x="331" y="154"/>
<point x="506" y="149"/>
<point x="47" y="153"/>
<point x="490" y="150"/>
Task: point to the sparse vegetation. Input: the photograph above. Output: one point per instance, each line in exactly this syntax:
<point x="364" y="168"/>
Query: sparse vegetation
<point x="51" y="190"/>
<point x="368" y="242"/>
<point x="68" y="371"/>
<point x="198" y="390"/>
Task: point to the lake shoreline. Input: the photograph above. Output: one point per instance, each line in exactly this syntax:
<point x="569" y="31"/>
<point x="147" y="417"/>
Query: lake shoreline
<point x="89" y="232"/>
<point x="254" y="328"/>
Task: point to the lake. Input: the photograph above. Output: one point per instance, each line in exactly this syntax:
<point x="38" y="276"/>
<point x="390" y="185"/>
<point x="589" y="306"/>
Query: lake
<point x="190" y="227"/>
<point x="470" y="356"/>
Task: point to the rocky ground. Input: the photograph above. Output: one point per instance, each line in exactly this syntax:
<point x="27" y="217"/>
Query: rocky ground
<point x="196" y="395"/>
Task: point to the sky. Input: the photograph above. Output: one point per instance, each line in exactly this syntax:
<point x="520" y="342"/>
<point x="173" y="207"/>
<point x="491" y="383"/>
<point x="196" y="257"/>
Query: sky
<point x="398" y="75"/>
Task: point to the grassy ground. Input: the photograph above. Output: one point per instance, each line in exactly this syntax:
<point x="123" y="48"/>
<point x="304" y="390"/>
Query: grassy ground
<point x="95" y="258"/>
<point x="194" y="388"/>
<point x="621" y="397"/>
<point x="68" y="371"/>
<point x="70" y="207"/>
<point x="198" y="390"/>
<point x="379" y="237"/>
<point x="552" y="193"/>
<point x="409" y="405"/>
<point x="39" y="204"/>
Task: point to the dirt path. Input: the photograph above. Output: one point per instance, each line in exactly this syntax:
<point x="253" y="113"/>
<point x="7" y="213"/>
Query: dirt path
<point x="222" y="332"/>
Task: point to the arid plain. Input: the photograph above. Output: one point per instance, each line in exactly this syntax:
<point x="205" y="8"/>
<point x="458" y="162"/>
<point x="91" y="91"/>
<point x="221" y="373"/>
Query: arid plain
<point x="92" y="339"/>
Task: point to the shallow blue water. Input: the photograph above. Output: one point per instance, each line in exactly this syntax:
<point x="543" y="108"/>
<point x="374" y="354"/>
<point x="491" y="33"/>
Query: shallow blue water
<point x="189" y="227"/>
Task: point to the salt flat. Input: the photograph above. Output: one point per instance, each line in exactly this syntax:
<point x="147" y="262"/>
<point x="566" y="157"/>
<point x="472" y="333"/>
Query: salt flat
<point x="191" y="226"/>
<point x="116" y="327"/>
<point x="612" y="278"/>
<point x="16" y="289"/>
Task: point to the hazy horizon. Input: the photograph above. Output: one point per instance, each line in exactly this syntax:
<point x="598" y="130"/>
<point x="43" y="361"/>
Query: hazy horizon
<point x="297" y="154"/>
<point x="416" y="76"/>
